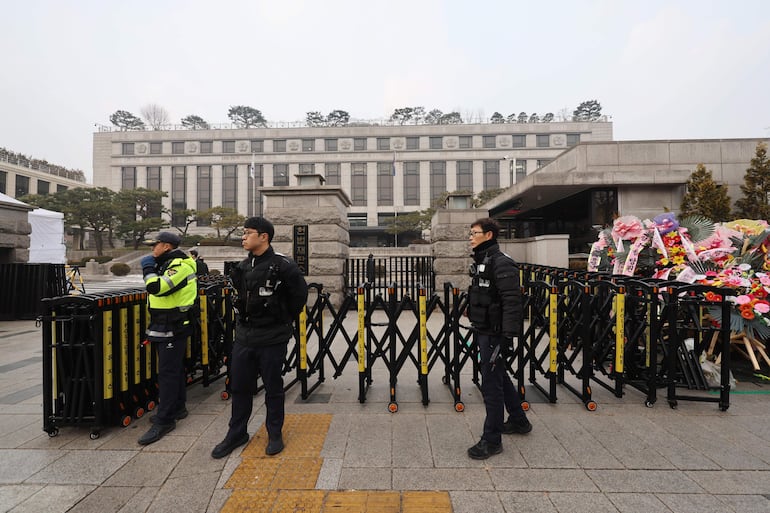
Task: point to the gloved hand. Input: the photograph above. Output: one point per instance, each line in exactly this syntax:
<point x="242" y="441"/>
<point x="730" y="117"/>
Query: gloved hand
<point x="148" y="264"/>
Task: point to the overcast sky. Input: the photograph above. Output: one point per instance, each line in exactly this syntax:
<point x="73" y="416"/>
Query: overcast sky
<point x="660" y="69"/>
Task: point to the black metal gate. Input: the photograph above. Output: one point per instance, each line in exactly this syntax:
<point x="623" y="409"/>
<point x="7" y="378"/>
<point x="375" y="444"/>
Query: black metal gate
<point x="410" y="273"/>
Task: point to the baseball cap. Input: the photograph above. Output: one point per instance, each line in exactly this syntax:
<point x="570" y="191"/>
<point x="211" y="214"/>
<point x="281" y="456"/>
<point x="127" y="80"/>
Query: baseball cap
<point x="171" y="238"/>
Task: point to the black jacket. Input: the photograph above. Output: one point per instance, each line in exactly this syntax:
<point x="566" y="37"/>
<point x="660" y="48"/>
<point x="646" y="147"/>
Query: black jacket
<point x="494" y="297"/>
<point x="271" y="293"/>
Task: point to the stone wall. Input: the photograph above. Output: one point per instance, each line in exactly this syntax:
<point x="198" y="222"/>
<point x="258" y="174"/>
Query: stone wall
<point x="14" y="232"/>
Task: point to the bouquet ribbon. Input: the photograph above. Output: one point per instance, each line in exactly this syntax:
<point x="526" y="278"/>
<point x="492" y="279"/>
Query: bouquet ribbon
<point x="633" y="254"/>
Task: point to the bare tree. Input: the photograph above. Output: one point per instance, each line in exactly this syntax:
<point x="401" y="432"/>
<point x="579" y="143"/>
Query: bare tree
<point x="155" y="115"/>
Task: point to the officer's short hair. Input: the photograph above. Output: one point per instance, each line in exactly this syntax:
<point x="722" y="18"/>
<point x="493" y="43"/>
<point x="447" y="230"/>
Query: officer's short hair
<point x="262" y="225"/>
<point x="488" y="225"/>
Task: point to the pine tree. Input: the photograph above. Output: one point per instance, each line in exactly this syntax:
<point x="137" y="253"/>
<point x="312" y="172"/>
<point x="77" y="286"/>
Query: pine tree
<point x="704" y="197"/>
<point x="754" y="204"/>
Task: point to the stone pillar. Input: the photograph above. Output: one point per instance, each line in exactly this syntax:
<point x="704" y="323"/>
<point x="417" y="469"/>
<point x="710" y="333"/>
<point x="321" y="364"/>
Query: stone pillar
<point x="450" y="246"/>
<point x="325" y="212"/>
<point x="14" y="231"/>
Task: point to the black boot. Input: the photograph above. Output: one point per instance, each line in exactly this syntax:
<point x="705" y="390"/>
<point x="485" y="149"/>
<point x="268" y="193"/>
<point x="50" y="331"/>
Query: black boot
<point x="484" y="450"/>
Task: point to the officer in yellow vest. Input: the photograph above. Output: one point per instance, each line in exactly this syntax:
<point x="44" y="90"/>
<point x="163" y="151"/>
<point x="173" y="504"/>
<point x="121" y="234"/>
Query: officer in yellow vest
<point x="169" y="276"/>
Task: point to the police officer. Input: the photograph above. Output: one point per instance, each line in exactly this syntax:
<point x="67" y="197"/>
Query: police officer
<point x="169" y="277"/>
<point x="271" y="293"/>
<point x="495" y="312"/>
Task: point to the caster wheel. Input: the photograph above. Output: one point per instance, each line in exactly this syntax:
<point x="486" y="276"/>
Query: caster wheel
<point x="150" y="405"/>
<point x="393" y="407"/>
<point x="459" y="407"/>
<point x="591" y="406"/>
<point x="138" y="412"/>
<point x="672" y="404"/>
<point x="525" y="405"/>
<point x="94" y="435"/>
<point x="225" y="396"/>
<point x="125" y="421"/>
<point x="53" y="432"/>
<point x="649" y="404"/>
<point x="723" y="407"/>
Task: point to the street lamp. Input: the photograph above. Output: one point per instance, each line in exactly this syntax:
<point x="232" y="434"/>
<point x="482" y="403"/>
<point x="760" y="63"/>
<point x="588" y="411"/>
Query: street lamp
<point x="511" y="166"/>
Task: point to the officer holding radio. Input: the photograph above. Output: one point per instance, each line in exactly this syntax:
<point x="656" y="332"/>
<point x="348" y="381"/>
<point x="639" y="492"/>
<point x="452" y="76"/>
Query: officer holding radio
<point x="271" y="292"/>
<point x="495" y="312"/>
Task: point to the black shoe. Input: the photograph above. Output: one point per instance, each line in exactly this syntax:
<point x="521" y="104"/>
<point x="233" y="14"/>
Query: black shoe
<point x="155" y="433"/>
<point x="274" y="445"/>
<point x="484" y="450"/>
<point x="181" y="414"/>
<point x="517" y="427"/>
<point x="228" y="445"/>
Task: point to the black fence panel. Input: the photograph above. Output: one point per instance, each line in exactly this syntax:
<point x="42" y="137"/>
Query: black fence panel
<point x="410" y="273"/>
<point x="25" y="285"/>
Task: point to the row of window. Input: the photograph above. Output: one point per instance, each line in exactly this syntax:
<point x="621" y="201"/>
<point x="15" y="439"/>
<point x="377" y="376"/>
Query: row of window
<point x="359" y="144"/>
<point x="21" y="187"/>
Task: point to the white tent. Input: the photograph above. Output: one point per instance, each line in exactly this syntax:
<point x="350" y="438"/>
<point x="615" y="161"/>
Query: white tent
<point x="46" y="242"/>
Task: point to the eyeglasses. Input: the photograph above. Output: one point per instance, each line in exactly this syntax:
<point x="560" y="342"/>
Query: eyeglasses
<point x="250" y="232"/>
<point x="473" y="233"/>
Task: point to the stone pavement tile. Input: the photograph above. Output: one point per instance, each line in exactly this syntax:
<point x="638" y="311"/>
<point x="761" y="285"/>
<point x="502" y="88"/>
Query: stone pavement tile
<point x="141" y="500"/>
<point x="441" y="479"/>
<point x="369" y="442"/>
<point x="747" y="503"/>
<point x="476" y="502"/>
<point x="365" y="479"/>
<point x="25" y="408"/>
<point x="694" y="503"/>
<point x="450" y="438"/>
<point x="530" y="502"/>
<point x="190" y="494"/>
<point x="754" y="424"/>
<point x="193" y="425"/>
<point x="541" y="449"/>
<point x="736" y="481"/>
<point x="329" y="475"/>
<point x="337" y="436"/>
<point x="20" y="464"/>
<point x="411" y="446"/>
<point x="21" y="437"/>
<point x="119" y="438"/>
<point x="54" y="498"/>
<point x="544" y="480"/>
<point x="11" y="495"/>
<point x="652" y="431"/>
<point x="637" y="503"/>
<point x="231" y="464"/>
<point x="745" y="437"/>
<point x="198" y="461"/>
<point x="582" y="447"/>
<point x="106" y="499"/>
<point x="171" y="443"/>
<point x="145" y="469"/>
<point x="641" y="481"/>
<point x="12" y="423"/>
<point x="633" y="453"/>
<point x="582" y="502"/>
<point x="218" y="500"/>
<point x="82" y="467"/>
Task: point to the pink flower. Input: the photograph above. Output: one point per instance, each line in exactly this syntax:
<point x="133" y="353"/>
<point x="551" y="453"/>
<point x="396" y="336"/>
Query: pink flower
<point x="627" y="228"/>
<point x="743" y="299"/>
<point x="762" y="308"/>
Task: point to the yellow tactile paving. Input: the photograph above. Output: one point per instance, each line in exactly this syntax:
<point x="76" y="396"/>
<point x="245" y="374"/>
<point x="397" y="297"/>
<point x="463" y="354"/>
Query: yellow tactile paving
<point x="286" y="482"/>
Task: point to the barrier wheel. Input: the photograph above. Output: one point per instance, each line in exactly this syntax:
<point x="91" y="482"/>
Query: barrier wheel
<point x="459" y="407"/>
<point x="525" y="405"/>
<point x="225" y="395"/>
<point x="150" y="405"/>
<point x="591" y="406"/>
<point x="125" y="420"/>
<point x="672" y="404"/>
<point x="649" y="403"/>
<point x="53" y="432"/>
<point x="138" y="412"/>
<point x="445" y="380"/>
<point x="94" y="435"/>
<point x="723" y="407"/>
<point x="393" y="407"/>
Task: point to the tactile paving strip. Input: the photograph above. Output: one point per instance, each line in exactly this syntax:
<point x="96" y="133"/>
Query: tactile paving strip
<point x="285" y="482"/>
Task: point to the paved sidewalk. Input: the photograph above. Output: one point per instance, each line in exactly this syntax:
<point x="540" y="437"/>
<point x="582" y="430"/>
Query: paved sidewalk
<point x="623" y="457"/>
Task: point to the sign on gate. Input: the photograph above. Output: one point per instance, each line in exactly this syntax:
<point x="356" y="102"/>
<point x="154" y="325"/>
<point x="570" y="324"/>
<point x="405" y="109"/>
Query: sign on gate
<point x="301" y="248"/>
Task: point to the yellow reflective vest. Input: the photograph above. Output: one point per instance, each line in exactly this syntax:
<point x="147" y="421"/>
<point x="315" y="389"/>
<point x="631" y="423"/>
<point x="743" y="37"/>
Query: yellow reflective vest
<point x="176" y="287"/>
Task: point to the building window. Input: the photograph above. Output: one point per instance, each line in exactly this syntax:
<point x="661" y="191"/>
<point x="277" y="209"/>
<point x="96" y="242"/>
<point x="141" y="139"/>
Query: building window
<point x="519" y="141"/>
<point x="230" y="187"/>
<point x="464" y="175"/>
<point x="308" y="144"/>
<point x="543" y="162"/>
<point x="385" y="219"/>
<point x="156" y="148"/>
<point x="279" y="145"/>
<point x="43" y="187"/>
<point x="257" y="146"/>
<point x="411" y="183"/>
<point x="22" y="186"/>
<point x="358" y="184"/>
<point x="330" y="144"/>
<point x="128" y="149"/>
<point x="412" y="143"/>
<point x="206" y="146"/>
<point x="573" y="139"/>
<point x="61" y="188"/>
<point x="307" y="169"/>
<point x="4" y="182"/>
<point x="204" y="192"/>
<point x="153" y="178"/>
<point x="542" y="141"/>
<point x="332" y="173"/>
<point x="358" y="219"/>
<point x="127" y="178"/>
<point x="360" y="144"/>
<point x="491" y="174"/>
<point x="228" y="146"/>
<point x="254" y="198"/>
<point x="383" y="143"/>
<point x="385" y="183"/>
<point x="489" y="141"/>
<point x="436" y="143"/>
<point x="521" y="170"/>
<point x="437" y="179"/>
<point x="465" y="142"/>
<point x="280" y="174"/>
<point x="177" y="148"/>
<point x="178" y="195"/>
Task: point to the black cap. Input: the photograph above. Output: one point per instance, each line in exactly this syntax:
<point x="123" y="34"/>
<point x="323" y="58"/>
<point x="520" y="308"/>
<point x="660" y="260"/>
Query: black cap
<point x="194" y="252"/>
<point x="171" y="238"/>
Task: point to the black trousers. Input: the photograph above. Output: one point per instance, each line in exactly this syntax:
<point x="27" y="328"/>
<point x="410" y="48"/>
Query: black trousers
<point x="172" y="383"/>
<point x="245" y="363"/>
<point x="500" y="395"/>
